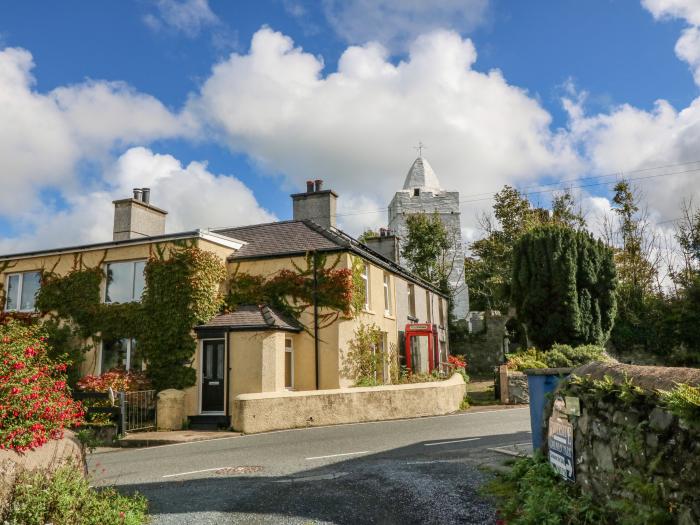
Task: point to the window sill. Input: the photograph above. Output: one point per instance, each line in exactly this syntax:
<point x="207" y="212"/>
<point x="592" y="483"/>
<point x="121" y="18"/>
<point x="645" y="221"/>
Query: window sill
<point x="370" y="312"/>
<point x="389" y="316"/>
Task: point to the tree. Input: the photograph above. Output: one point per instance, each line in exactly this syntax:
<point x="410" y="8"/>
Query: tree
<point x="564" y="285"/>
<point x="636" y="259"/>
<point x="427" y="249"/>
<point x="564" y="211"/>
<point x="488" y="272"/>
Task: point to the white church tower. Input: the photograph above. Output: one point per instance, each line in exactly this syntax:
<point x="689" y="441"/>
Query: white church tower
<point x="422" y="193"/>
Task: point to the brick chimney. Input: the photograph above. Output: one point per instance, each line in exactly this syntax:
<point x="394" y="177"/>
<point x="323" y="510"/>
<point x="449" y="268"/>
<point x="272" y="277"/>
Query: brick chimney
<point x="315" y="204"/>
<point x="136" y="217"/>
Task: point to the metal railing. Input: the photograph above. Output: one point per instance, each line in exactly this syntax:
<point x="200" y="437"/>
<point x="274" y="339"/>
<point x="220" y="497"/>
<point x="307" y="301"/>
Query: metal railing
<point x="138" y="410"/>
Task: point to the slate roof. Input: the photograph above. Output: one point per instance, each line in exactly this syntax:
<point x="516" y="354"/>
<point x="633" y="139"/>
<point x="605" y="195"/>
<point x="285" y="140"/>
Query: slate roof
<point x="251" y="317"/>
<point x="277" y="238"/>
<point x="421" y="175"/>
<point x="297" y="238"/>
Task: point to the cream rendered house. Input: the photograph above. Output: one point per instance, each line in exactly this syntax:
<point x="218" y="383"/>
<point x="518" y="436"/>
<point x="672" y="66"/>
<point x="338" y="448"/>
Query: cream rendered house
<point x="254" y="349"/>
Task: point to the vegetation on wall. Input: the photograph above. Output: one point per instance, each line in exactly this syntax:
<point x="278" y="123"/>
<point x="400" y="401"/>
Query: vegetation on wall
<point x="426" y="249"/>
<point x="292" y="291"/>
<point x="564" y="286"/>
<point x="181" y="291"/>
<point x="364" y="360"/>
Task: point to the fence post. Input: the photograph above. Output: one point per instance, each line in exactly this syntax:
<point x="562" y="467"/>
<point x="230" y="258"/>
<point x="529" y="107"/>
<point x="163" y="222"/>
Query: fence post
<point x="122" y="411"/>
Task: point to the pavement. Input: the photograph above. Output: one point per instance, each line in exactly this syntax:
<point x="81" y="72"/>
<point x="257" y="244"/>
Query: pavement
<point x="150" y="439"/>
<point x="427" y="470"/>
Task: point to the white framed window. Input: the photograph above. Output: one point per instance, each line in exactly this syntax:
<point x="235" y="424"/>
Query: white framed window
<point x="288" y="364"/>
<point x="429" y="307"/>
<point x="21" y="291"/>
<point x="386" y="374"/>
<point x="387" y="294"/>
<point x="365" y="279"/>
<point x="121" y="354"/>
<point x="125" y="281"/>
<point x="411" y="300"/>
<point x="441" y="313"/>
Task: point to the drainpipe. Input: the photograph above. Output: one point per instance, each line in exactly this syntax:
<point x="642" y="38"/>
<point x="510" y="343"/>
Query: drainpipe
<point x="315" y="297"/>
<point x="228" y="375"/>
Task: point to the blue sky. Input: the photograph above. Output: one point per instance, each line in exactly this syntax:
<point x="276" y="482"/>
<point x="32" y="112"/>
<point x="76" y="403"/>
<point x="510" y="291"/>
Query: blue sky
<point x="576" y="96"/>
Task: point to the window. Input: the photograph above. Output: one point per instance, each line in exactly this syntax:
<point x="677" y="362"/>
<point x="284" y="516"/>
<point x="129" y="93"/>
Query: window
<point x="125" y="282"/>
<point x="416" y="192"/>
<point x="428" y="307"/>
<point x="441" y="313"/>
<point x="121" y="354"/>
<point x="21" y="291"/>
<point x="386" y="370"/>
<point x="288" y="364"/>
<point x="411" y="301"/>
<point x="365" y="279"/>
<point x="387" y="294"/>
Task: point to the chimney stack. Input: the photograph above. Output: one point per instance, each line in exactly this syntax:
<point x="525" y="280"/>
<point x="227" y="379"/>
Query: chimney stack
<point x="387" y="244"/>
<point x="315" y="204"/>
<point x="136" y="217"/>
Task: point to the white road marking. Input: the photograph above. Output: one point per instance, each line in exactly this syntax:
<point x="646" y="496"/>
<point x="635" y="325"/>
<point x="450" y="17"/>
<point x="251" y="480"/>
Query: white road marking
<point x="448" y="442"/>
<point x="339" y="455"/>
<point x="193" y="472"/>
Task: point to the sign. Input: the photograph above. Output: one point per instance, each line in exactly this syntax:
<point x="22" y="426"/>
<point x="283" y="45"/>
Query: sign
<point x="560" y="439"/>
<point x="419" y="327"/>
<point x="573" y="406"/>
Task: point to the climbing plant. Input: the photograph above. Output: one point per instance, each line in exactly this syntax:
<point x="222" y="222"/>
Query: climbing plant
<point x="181" y="291"/>
<point x="292" y="291"/>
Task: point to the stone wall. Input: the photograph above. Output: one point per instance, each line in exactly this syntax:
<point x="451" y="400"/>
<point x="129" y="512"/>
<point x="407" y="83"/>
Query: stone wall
<point x="483" y="350"/>
<point x="628" y="446"/>
<point x="518" y="393"/>
<point x="283" y="410"/>
<point x="48" y="457"/>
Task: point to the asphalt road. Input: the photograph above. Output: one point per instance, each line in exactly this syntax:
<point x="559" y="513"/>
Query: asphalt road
<point x="409" y="471"/>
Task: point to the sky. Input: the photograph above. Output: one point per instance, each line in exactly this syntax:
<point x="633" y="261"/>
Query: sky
<point x="224" y="108"/>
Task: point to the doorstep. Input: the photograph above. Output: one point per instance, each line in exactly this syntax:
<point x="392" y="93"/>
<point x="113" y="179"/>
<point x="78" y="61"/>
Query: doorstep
<point x="173" y="437"/>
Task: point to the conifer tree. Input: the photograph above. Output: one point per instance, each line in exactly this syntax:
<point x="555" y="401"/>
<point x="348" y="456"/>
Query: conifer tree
<point x="563" y="286"/>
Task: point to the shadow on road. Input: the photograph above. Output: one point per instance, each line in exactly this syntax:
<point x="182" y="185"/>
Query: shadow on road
<point x="426" y="482"/>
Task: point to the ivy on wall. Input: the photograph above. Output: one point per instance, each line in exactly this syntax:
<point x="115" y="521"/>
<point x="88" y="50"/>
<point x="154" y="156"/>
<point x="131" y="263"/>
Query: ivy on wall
<point x="181" y="291"/>
<point x="291" y="291"/>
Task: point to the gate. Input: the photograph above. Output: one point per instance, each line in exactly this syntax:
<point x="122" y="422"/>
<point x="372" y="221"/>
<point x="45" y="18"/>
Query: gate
<point x="138" y="410"/>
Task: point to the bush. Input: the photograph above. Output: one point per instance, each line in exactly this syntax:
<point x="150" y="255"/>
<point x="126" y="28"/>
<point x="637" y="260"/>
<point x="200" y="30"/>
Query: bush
<point x="559" y="356"/>
<point x="529" y="358"/>
<point x="65" y="498"/>
<point x="35" y="403"/>
<point x="565" y="356"/>
<point x="118" y="380"/>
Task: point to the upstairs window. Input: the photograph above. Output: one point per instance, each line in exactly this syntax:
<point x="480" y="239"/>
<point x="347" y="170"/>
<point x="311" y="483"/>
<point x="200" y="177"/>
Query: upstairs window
<point x="288" y="364"/>
<point x="387" y="294"/>
<point x="411" y="301"/>
<point x="442" y="312"/>
<point x="125" y="281"/>
<point x="365" y="280"/>
<point x="21" y="291"/>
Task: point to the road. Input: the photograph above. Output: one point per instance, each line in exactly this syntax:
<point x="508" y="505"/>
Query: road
<point x="409" y="471"/>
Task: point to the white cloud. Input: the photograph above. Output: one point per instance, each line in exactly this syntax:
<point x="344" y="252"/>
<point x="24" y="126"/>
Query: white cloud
<point x="355" y="128"/>
<point x="193" y="196"/>
<point x="396" y="23"/>
<point x="43" y="137"/>
<point x="186" y="16"/>
<point x="687" y="9"/>
<point x="688" y="50"/>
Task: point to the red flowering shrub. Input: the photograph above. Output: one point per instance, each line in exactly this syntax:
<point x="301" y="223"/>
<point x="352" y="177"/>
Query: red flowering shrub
<point x="456" y="361"/>
<point x="35" y="403"/>
<point x="119" y="380"/>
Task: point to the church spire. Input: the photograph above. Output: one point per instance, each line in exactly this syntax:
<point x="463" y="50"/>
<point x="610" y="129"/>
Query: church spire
<point x="422" y="176"/>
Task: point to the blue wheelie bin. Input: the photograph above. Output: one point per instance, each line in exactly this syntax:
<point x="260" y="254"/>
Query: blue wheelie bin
<point x="540" y="382"/>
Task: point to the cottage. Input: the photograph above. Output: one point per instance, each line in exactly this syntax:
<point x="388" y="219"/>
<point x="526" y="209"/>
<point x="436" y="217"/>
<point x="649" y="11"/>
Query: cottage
<point x="254" y="347"/>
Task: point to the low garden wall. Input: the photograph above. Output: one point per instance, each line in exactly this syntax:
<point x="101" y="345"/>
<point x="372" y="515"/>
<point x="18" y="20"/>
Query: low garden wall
<point x="48" y="457"/>
<point x="634" y="443"/>
<point x="284" y="410"/>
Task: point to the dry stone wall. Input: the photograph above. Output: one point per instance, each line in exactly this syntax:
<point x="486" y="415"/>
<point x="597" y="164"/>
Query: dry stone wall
<point x="628" y="446"/>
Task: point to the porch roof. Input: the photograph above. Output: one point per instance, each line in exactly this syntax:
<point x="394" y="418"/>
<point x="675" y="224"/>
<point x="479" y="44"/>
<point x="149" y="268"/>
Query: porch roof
<point x="250" y="317"/>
